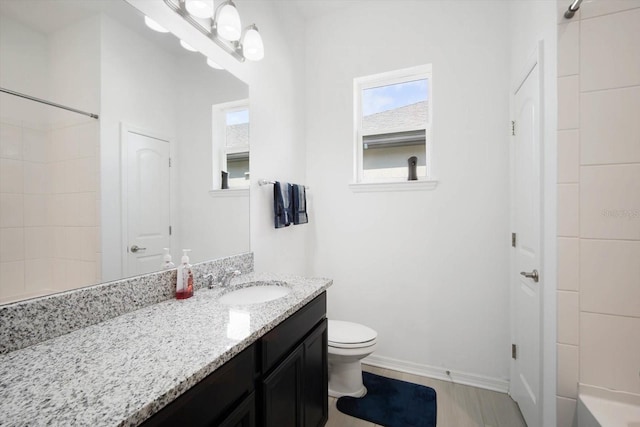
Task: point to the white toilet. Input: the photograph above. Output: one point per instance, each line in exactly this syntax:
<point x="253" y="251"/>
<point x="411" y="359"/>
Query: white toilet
<point x="349" y="343"/>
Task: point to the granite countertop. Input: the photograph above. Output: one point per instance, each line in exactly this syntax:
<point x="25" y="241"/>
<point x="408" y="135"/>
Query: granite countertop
<point x="120" y="372"/>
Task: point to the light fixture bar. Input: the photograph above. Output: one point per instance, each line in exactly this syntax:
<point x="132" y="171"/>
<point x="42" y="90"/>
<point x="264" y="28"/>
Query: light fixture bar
<point x="180" y="9"/>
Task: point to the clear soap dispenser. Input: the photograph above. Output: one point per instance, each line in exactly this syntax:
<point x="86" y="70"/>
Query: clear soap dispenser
<point x="167" y="264"/>
<point x="184" y="285"/>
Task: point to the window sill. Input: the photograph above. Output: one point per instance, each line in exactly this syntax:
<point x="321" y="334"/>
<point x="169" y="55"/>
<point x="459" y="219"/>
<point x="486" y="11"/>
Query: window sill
<point x="370" y="187"/>
<point x="230" y="192"/>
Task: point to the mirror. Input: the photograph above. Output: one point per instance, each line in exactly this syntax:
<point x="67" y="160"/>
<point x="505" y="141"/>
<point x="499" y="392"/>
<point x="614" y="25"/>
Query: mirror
<point x="85" y="200"/>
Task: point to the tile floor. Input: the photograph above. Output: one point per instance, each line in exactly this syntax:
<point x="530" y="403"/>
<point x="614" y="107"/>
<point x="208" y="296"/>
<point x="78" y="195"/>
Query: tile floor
<point x="458" y="405"/>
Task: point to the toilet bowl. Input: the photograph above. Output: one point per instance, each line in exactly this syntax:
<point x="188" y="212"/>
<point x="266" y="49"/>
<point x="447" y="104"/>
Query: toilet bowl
<point x="348" y="344"/>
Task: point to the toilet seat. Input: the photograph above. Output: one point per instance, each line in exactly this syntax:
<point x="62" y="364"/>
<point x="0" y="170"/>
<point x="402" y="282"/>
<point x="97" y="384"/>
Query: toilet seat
<point x="350" y="335"/>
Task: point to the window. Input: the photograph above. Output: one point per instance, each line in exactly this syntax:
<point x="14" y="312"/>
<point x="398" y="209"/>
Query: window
<point x="231" y="143"/>
<point x="393" y="124"/>
<point x="237" y="144"/>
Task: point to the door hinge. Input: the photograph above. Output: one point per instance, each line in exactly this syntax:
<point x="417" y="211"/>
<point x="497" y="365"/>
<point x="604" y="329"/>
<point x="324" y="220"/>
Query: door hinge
<point x="514" y="351"/>
<point x="169" y="230"/>
<point x="169" y="161"/>
<point x="513" y="240"/>
<point x="513" y="127"/>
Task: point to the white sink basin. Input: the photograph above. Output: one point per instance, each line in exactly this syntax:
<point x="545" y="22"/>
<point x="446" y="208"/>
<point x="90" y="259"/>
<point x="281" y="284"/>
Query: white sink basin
<point x="254" y="294"/>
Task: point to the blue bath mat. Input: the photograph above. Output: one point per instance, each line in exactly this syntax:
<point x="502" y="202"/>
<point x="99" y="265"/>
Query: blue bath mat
<point x="392" y="403"/>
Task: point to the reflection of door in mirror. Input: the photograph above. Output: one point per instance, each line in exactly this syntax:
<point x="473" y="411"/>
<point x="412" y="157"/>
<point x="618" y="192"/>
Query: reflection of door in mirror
<point x="231" y="141"/>
<point x="146" y="220"/>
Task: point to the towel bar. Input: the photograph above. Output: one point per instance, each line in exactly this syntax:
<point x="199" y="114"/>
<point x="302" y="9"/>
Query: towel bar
<point x="262" y="182"/>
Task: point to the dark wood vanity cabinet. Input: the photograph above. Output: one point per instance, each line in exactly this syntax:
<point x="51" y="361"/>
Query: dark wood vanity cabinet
<point x="295" y="373"/>
<point x="213" y="399"/>
<point x="295" y="392"/>
<point x="281" y="380"/>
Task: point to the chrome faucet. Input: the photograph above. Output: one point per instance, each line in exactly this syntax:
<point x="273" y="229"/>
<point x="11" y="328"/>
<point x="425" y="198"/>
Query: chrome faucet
<point x="209" y="278"/>
<point x="227" y="276"/>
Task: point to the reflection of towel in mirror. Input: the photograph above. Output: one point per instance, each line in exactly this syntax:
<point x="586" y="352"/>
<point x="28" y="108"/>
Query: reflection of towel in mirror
<point x="299" y="205"/>
<point x="282" y="204"/>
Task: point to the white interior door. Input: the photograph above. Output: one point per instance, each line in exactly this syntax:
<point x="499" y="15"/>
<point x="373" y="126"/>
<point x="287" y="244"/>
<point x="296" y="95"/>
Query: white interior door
<point x="146" y="210"/>
<point x="526" y="382"/>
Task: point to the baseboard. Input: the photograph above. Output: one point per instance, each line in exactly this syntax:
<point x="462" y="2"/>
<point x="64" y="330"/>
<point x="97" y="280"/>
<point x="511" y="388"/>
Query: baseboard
<point x="480" y="381"/>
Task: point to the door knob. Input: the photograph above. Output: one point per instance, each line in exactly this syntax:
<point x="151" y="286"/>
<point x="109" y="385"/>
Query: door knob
<point x="136" y="248"/>
<point x="533" y="275"/>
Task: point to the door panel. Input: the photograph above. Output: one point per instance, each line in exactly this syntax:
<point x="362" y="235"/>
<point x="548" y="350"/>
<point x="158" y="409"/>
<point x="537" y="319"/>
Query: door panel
<point x="146" y="202"/>
<point x="283" y="393"/>
<point x="526" y="378"/>
<point x="316" y="377"/>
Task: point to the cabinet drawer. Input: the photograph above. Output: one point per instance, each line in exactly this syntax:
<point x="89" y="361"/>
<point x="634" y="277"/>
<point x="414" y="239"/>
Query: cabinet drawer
<point x="213" y="397"/>
<point x="279" y="341"/>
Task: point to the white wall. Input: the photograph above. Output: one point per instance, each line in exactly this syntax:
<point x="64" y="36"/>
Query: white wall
<point x="427" y="269"/>
<point x="598" y="201"/>
<point x="22" y="45"/>
<point x="212" y="227"/>
<point x="529" y="23"/>
<point x="277" y="134"/>
<point x="75" y="65"/>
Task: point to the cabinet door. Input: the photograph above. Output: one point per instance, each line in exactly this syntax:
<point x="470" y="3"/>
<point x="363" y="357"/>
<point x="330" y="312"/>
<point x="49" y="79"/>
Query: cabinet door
<point x="244" y="415"/>
<point x="282" y="392"/>
<point x="316" y="377"/>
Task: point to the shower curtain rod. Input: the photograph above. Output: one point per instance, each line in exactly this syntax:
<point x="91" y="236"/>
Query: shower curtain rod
<point x="573" y="8"/>
<point x="43" y="101"/>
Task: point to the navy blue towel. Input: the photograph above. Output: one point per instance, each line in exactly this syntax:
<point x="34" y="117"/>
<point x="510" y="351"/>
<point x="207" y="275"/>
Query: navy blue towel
<point x="299" y="205"/>
<point x="283" y="204"/>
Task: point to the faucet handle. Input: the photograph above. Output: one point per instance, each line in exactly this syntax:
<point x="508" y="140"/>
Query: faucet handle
<point x="209" y="278"/>
<point x="225" y="279"/>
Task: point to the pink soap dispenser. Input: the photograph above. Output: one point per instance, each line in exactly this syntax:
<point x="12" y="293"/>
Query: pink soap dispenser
<point x="184" y="284"/>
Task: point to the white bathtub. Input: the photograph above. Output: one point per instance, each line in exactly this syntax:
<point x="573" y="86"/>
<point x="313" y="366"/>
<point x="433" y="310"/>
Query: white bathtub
<point x="598" y="407"/>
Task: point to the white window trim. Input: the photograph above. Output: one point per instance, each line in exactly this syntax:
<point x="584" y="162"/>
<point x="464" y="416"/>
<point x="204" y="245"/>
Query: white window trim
<point x="372" y="187"/>
<point x="384" y="79"/>
<point x="230" y="192"/>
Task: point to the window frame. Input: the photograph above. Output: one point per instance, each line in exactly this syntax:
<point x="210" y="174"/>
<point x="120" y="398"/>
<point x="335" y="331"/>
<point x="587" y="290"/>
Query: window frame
<point x="361" y="84"/>
<point x="219" y="129"/>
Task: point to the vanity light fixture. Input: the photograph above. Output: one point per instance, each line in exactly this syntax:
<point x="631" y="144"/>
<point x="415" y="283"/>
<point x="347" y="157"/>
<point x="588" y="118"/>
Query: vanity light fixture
<point x="214" y="64"/>
<point x="223" y="27"/>
<point x="187" y="46"/>
<point x="252" y="46"/>
<point x="200" y="8"/>
<point x="227" y="21"/>
<point x="154" y="25"/>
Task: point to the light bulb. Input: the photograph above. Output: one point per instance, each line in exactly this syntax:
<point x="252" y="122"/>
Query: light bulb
<point x="200" y="8"/>
<point x="228" y="22"/>
<point x="154" y="25"/>
<point x="187" y="46"/>
<point x="214" y="64"/>
<point x="252" y="46"/>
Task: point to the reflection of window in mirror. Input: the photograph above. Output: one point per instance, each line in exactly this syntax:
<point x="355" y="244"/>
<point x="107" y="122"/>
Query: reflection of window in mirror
<point x="231" y="143"/>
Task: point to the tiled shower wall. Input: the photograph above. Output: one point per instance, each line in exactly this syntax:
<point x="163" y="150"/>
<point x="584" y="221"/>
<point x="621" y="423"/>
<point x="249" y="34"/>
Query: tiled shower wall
<point x="49" y="226"/>
<point x="598" y="201"/>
